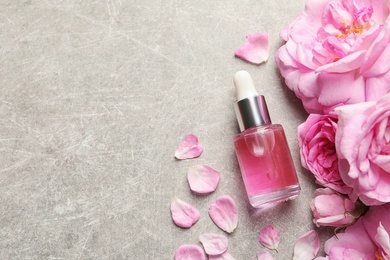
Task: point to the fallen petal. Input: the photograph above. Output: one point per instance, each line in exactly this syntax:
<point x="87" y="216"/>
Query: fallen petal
<point x="202" y="179"/>
<point x="189" y="148"/>
<point x="255" y="50"/>
<point x="224" y="256"/>
<point x="224" y="213"/>
<point x="307" y="246"/>
<point x="264" y="255"/>
<point x="269" y="237"/>
<point x="214" y="244"/>
<point x="189" y="252"/>
<point x="183" y="214"/>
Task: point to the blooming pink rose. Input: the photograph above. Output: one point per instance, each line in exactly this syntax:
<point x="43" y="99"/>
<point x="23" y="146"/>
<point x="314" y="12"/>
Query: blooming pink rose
<point x="353" y="243"/>
<point x="368" y="238"/>
<point x="316" y="139"/>
<point x="331" y="208"/>
<point x="337" y="53"/>
<point x="363" y="149"/>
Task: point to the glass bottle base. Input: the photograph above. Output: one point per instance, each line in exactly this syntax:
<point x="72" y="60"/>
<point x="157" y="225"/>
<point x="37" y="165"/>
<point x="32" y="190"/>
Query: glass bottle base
<point x="287" y="193"/>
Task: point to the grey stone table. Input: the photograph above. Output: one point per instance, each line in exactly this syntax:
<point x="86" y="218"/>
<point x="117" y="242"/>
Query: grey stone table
<point x="95" y="96"/>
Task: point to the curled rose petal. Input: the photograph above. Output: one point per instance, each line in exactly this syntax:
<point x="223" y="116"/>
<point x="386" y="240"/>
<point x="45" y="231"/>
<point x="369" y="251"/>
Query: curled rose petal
<point x="214" y="244"/>
<point x="264" y="255"/>
<point x="307" y="246"/>
<point x="255" y="50"/>
<point x="269" y="237"/>
<point x="383" y="238"/>
<point x="183" y="214"/>
<point x="224" y="213"/>
<point x="189" y="252"/>
<point x="202" y="179"/>
<point x="224" y="256"/>
<point x="189" y="148"/>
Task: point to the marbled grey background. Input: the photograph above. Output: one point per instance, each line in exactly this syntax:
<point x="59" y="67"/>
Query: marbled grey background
<point x="95" y="96"/>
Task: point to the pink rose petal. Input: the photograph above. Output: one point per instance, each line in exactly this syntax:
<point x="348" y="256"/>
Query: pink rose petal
<point x="383" y="238"/>
<point x="183" y="214"/>
<point x="255" y="49"/>
<point x="264" y="255"/>
<point x="202" y="179"/>
<point x="224" y="256"/>
<point x="189" y="148"/>
<point x="214" y="244"/>
<point x="224" y="213"/>
<point x="307" y="246"/>
<point x="269" y="237"/>
<point x="189" y="252"/>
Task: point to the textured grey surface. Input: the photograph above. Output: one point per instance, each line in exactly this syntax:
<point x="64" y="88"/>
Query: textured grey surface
<point x="95" y="96"/>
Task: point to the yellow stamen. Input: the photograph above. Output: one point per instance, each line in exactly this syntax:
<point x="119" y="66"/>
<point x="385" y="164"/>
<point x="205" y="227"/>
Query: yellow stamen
<point x="349" y="30"/>
<point x="378" y="256"/>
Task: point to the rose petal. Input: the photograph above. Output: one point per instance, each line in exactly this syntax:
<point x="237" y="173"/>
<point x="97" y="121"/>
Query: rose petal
<point x="224" y="213"/>
<point x="348" y="63"/>
<point x="183" y="214"/>
<point x="189" y="252"/>
<point x="307" y="246"/>
<point x="269" y="237"/>
<point x="255" y="49"/>
<point x="383" y="239"/>
<point x="264" y="255"/>
<point x="224" y="256"/>
<point x="377" y="53"/>
<point x="189" y="148"/>
<point x="214" y="244"/>
<point x="202" y="178"/>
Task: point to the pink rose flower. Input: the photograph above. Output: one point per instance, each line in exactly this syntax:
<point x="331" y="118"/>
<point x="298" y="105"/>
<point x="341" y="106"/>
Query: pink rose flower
<point x="316" y="138"/>
<point x="331" y="208"/>
<point x="377" y="224"/>
<point x="337" y="52"/>
<point x="363" y="149"/>
<point x="353" y="243"/>
<point x="368" y="238"/>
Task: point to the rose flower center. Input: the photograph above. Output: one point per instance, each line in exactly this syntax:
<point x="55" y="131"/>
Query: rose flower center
<point x="343" y="22"/>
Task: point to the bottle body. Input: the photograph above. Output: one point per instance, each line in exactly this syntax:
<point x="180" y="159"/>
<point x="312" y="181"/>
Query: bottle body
<point x="266" y="165"/>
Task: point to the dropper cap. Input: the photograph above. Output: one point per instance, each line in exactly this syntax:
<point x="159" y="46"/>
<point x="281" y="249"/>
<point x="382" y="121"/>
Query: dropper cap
<point x="251" y="109"/>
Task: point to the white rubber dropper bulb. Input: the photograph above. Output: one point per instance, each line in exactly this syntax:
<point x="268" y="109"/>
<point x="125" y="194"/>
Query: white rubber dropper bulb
<point x="244" y="85"/>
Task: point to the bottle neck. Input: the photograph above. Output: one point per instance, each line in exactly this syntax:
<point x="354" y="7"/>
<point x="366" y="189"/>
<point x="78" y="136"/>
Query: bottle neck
<point x="252" y="112"/>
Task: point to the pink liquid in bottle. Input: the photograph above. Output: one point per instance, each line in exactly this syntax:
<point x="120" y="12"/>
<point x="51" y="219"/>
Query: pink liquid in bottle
<point x="262" y="151"/>
<point x="266" y="165"/>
